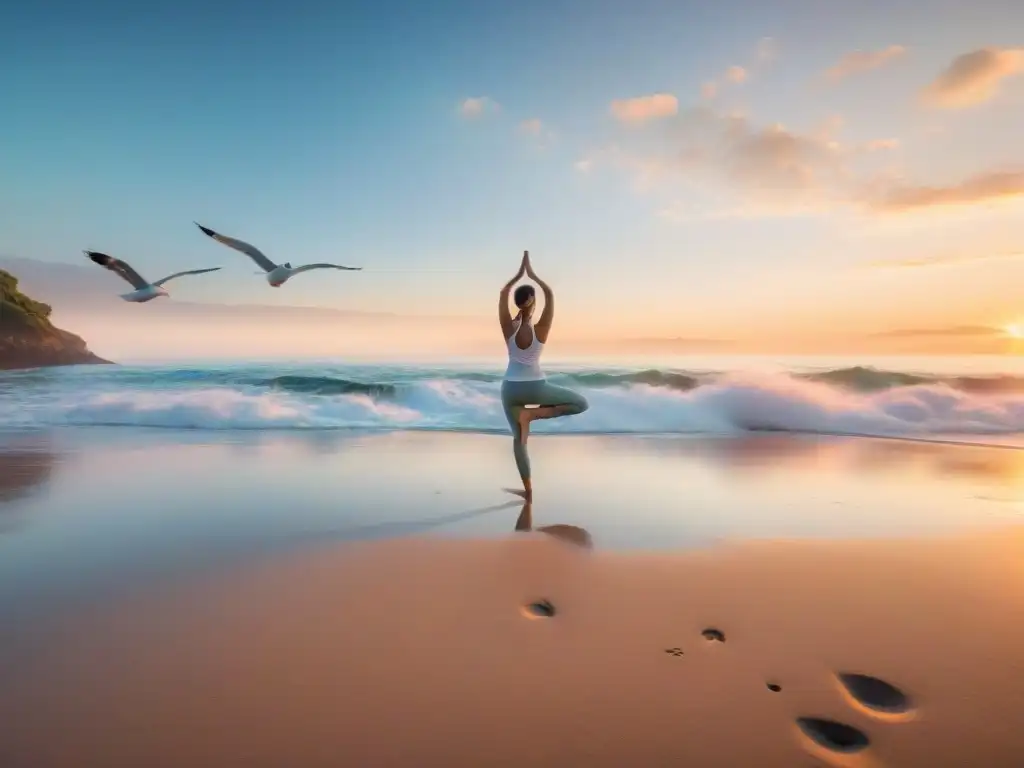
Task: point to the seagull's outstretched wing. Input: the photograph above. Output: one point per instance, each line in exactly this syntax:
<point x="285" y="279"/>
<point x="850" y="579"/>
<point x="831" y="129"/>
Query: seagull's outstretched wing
<point x="306" y="267"/>
<point x="163" y="280"/>
<point x="118" y="267"/>
<point x="251" y="251"/>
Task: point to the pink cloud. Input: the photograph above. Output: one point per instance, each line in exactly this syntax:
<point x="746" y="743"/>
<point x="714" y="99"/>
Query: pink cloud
<point x="644" y="108"/>
<point x="477" y="106"/>
<point x="533" y="126"/>
<point x="736" y="74"/>
<point x="973" y="78"/>
<point x="863" y="61"/>
<point x="988" y="187"/>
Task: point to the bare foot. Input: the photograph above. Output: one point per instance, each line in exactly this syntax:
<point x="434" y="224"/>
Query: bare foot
<point x="526" y="495"/>
<point x="524" y="419"/>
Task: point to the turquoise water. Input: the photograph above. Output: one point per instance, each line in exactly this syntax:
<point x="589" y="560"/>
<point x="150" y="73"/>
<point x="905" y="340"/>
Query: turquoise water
<point x="899" y="397"/>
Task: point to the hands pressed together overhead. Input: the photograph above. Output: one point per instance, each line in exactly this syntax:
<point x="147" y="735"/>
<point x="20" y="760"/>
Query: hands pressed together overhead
<point x="526" y="268"/>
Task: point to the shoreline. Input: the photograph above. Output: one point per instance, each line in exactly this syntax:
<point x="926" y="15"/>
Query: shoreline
<point x="85" y="510"/>
<point x="954" y="440"/>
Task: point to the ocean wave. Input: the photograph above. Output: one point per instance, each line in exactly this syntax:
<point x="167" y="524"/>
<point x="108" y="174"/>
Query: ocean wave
<point x="391" y="382"/>
<point x="328" y="385"/>
<point x="849" y="401"/>
<point x="856" y="378"/>
<point x="865" y="379"/>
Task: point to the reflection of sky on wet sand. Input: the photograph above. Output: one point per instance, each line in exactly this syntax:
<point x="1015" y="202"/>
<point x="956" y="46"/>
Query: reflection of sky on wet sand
<point x="758" y="455"/>
<point x="26" y="464"/>
<point x="128" y="500"/>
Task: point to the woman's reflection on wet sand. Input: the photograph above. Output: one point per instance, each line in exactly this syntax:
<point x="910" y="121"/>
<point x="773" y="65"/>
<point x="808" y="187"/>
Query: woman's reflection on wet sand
<point x="569" y="533"/>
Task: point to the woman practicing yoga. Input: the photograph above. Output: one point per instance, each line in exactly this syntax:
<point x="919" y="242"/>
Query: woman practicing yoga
<point x="524" y="384"/>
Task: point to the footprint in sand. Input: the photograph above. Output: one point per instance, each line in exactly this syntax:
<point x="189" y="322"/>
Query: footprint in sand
<point x="712" y="635"/>
<point x="540" y="609"/>
<point x="832" y="735"/>
<point x="874" y="694"/>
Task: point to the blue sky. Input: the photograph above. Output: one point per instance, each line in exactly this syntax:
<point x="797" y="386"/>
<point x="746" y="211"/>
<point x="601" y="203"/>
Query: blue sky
<point x="327" y="131"/>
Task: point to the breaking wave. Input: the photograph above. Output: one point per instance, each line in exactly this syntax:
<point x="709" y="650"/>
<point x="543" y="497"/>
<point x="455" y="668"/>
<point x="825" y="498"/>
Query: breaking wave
<point x="848" y="400"/>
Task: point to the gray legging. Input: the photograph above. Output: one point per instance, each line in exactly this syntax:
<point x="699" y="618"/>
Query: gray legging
<point x="516" y="395"/>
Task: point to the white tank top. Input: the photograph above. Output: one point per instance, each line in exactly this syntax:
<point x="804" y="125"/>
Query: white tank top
<point x="523" y="364"/>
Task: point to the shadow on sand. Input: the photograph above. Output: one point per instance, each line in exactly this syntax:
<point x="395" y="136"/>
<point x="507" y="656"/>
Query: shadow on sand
<point x="401" y="528"/>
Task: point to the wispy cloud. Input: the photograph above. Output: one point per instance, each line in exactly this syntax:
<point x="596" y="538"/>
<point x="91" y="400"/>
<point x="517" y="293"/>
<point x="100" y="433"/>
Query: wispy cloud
<point x="645" y="172"/>
<point x="766" y="51"/>
<point x="973" y="78"/>
<point x="538" y="132"/>
<point x="830" y="127"/>
<point x="725" y="164"/>
<point x="477" y="106"/>
<point x="952" y="331"/>
<point x="674" y="344"/>
<point x="643" y="108"/>
<point x="879" y="145"/>
<point x="856" y="62"/>
<point x="945" y="260"/>
<point x="763" y="166"/>
<point x="989" y="187"/>
<point x="532" y="127"/>
<point x="736" y="74"/>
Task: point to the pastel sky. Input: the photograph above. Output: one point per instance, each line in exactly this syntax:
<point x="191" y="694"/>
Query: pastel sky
<point x="714" y="170"/>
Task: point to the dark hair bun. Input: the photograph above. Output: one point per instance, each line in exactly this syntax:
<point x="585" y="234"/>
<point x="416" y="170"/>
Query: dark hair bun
<point x="523" y="295"/>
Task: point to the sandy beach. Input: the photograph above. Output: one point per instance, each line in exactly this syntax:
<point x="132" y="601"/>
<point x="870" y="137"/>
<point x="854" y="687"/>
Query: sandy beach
<point x="526" y="385"/>
<point x="418" y="652"/>
<point x="377" y="600"/>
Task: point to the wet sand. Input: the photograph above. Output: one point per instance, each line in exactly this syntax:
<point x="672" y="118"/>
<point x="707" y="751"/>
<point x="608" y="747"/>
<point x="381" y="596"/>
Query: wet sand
<point x="256" y="599"/>
<point x="527" y="650"/>
<point x="85" y="512"/>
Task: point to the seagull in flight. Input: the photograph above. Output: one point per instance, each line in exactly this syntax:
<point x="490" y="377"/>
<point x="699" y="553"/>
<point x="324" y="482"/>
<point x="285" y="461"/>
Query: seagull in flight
<point x="144" y="290"/>
<point x="276" y="274"/>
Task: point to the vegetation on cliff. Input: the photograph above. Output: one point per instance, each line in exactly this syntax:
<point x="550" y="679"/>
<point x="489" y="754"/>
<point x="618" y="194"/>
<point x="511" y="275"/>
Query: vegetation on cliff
<point x="27" y="337"/>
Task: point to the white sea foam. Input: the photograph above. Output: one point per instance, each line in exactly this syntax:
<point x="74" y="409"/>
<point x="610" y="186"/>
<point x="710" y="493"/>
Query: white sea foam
<point x="730" y="404"/>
